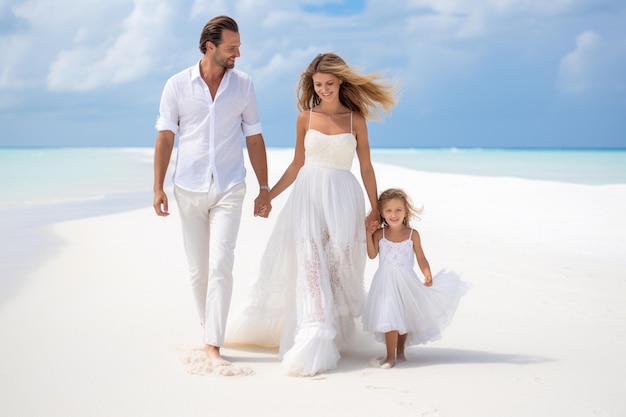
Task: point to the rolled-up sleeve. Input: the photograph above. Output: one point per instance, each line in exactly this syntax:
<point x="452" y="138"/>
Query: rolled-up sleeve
<point x="251" y="121"/>
<point x="168" y="110"/>
<point x="249" y="130"/>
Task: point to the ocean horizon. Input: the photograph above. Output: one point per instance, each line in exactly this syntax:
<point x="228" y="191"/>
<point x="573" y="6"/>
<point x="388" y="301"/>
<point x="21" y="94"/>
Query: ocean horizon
<point x="39" y="176"/>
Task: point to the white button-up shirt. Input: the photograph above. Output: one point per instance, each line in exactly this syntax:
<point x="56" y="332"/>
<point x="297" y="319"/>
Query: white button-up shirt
<point x="210" y="132"/>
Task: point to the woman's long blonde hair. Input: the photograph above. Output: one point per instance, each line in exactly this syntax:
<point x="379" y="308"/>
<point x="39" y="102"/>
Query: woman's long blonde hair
<point x="363" y="93"/>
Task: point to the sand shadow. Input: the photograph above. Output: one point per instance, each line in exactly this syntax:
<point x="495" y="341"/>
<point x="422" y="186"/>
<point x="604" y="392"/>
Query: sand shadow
<point x="419" y="357"/>
<point x="429" y="356"/>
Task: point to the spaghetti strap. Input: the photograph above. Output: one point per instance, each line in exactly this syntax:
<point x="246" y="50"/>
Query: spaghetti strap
<point x="352" y="133"/>
<point x="410" y="233"/>
<point x="310" y="117"/>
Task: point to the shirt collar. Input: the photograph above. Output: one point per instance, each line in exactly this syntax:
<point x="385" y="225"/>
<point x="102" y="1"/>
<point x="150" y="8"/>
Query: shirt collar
<point x="195" y="73"/>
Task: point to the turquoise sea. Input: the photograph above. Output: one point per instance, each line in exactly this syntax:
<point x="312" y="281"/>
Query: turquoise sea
<point x="579" y="166"/>
<point x="108" y="179"/>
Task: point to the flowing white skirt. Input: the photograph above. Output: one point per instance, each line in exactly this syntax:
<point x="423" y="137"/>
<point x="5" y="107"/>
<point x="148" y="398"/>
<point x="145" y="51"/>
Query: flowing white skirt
<point x="398" y="300"/>
<point x="310" y="284"/>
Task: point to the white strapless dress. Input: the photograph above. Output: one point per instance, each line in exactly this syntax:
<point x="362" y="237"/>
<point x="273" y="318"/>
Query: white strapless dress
<point x="310" y="285"/>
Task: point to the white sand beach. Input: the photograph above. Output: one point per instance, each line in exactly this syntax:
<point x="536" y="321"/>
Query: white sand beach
<point x="103" y="323"/>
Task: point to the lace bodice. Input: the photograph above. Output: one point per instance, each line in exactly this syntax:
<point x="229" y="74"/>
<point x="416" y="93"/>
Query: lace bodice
<point x="329" y="151"/>
<point x="396" y="254"/>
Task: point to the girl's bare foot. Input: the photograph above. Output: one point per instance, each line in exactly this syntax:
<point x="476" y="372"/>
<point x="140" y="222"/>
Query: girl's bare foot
<point x="387" y="365"/>
<point x="401" y="357"/>
<point x="213" y="353"/>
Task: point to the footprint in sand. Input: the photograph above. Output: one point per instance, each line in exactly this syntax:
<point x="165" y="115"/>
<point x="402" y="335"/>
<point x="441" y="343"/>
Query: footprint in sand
<point x="196" y="362"/>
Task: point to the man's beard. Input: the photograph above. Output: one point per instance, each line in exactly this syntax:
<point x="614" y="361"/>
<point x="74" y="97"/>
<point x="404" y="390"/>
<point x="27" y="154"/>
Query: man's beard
<point x="224" y="63"/>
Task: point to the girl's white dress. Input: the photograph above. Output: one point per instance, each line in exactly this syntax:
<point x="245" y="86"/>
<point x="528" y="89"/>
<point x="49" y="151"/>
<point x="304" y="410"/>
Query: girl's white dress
<point x="310" y="285"/>
<point x="398" y="299"/>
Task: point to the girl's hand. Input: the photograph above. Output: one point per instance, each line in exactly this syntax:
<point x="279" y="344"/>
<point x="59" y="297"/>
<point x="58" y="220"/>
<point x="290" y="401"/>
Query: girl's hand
<point x="428" y="281"/>
<point x="371" y="227"/>
<point x="372" y="217"/>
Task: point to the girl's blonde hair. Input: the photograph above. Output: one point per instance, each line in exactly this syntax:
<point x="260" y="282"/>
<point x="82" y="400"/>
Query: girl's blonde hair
<point x="365" y="94"/>
<point x="412" y="212"/>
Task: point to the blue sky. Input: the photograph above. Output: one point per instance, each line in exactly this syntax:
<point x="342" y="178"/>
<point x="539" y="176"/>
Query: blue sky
<point x="488" y="73"/>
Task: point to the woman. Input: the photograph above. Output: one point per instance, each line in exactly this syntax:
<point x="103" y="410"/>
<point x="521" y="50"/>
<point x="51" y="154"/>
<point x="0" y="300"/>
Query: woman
<point x="310" y="288"/>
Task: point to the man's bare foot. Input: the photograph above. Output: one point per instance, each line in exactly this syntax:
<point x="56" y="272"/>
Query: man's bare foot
<point x="213" y="353"/>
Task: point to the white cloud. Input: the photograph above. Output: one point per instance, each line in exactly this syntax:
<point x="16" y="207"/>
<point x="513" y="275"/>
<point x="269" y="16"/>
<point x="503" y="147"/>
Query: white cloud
<point x="577" y="68"/>
<point x="47" y="26"/>
<point x="84" y="45"/>
<point x="128" y="57"/>
<point x="595" y="65"/>
<point x="14" y="51"/>
<point x="281" y="67"/>
<point x="202" y="8"/>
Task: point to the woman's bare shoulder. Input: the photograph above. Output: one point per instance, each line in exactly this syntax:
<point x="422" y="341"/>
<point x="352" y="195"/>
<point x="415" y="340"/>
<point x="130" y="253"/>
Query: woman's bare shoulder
<point x="303" y="118"/>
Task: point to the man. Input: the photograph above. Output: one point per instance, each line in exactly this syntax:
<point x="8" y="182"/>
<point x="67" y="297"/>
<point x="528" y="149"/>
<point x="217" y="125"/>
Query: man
<point x="210" y="106"/>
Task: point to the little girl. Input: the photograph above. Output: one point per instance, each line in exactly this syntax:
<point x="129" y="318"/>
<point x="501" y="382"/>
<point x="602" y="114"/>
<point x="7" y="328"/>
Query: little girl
<point x="400" y="309"/>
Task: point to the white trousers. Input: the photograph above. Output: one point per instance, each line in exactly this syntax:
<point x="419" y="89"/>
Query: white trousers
<point x="210" y="223"/>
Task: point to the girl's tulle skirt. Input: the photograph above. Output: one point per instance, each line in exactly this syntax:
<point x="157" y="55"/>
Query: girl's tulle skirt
<point x="398" y="300"/>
